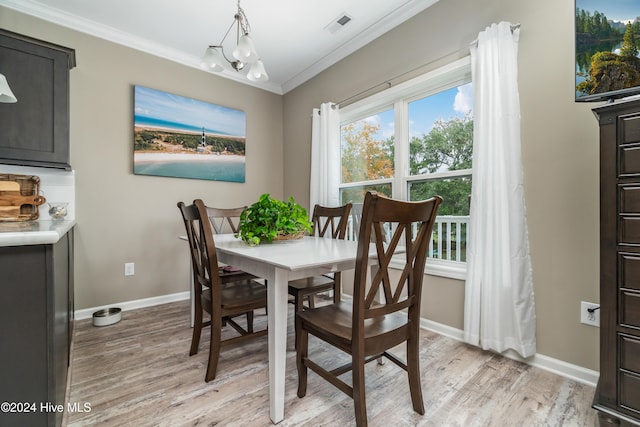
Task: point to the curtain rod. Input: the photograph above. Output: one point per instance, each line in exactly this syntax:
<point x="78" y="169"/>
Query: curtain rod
<point x="388" y="83"/>
<point x="513" y="28"/>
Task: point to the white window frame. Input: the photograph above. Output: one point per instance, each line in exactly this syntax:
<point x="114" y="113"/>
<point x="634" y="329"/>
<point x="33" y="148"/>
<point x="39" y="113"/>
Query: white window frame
<point x="398" y="97"/>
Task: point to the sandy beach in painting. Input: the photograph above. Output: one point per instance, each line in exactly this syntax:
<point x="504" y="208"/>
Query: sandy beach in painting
<point x="185" y="157"/>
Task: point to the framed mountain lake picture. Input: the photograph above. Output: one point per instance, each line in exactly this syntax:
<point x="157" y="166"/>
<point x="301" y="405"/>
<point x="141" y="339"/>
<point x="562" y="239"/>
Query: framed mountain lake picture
<point x="180" y="137"/>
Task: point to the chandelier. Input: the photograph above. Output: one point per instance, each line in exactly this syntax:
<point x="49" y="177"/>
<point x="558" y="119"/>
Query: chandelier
<point x="244" y="54"/>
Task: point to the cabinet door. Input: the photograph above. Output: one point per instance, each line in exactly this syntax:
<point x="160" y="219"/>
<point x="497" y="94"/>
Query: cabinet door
<point x="35" y="330"/>
<point x="35" y="130"/>
<point x="23" y="333"/>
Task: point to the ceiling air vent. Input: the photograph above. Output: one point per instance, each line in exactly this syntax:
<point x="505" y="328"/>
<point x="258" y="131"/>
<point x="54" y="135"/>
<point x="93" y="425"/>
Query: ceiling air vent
<point x="339" y="23"/>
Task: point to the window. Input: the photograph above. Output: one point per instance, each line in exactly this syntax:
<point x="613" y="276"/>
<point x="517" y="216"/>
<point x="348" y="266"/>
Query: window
<point x="411" y="142"/>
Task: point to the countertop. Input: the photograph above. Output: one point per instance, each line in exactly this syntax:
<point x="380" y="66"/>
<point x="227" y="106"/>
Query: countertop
<point x="41" y="232"/>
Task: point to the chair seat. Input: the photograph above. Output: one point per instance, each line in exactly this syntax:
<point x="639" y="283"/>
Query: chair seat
<point x="335" y="320"/>
<point x="230" y="274"/>
<point x="236" y="294"/>
<point x="311" y="285"/>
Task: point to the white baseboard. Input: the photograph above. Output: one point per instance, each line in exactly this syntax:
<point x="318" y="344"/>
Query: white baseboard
<point x="87" y="313"/>
<point x="559" y="367"/>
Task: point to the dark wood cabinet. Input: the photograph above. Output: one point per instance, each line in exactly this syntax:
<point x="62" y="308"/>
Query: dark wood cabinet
<point x="36" y="322"/>
<point x="618" y="392"/>
<point x="35" y="130"/>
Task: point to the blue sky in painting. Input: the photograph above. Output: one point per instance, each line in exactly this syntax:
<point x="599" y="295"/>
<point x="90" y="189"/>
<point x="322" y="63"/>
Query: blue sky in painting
<point x="616" y="10"/>
<point x="181" y="113"/>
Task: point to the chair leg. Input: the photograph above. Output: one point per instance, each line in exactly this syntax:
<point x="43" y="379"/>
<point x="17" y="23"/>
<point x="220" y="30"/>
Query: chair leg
<point x="214" y="348"/>
<point x="197" y="330"/>
<point x="302" y="341"/>
<point x="250" y="321"/>
<point x="337" y="288"/>
<point x="298" y="307"/>
<point x="413" y="370"/>
<point x="266" y="309"/>
<point x="359" y="402"/>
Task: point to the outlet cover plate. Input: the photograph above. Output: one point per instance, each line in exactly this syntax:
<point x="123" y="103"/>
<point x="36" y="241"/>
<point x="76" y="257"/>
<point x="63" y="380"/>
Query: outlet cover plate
<point x="592" y="319"/>
<point x="129" y="269"/>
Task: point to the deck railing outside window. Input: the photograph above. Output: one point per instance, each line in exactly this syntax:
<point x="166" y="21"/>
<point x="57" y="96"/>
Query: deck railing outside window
<point x="448" y="240"/>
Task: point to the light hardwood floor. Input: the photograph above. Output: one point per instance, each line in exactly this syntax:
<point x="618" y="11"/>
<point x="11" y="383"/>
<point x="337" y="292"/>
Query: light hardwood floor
<point x="138" y="373"/>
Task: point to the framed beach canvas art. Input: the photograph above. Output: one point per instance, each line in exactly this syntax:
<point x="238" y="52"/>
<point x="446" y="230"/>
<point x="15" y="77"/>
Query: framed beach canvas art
<point x="180" y="137"/>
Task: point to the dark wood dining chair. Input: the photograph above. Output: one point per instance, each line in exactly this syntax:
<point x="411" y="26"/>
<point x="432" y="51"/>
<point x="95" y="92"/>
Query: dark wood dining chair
<point x="327" y="222"/>
<point x="227" y="220"/>
<point x="223" y="301"/>
<point x="366" y="328"/>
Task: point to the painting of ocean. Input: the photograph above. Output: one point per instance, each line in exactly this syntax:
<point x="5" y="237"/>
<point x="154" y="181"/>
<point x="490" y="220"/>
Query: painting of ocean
<point x="180" y="137"/>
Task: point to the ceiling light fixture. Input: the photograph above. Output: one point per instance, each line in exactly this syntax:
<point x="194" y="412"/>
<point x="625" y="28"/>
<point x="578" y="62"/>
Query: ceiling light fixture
<point x="5" y="91"/>
<point x="244" y="53"/>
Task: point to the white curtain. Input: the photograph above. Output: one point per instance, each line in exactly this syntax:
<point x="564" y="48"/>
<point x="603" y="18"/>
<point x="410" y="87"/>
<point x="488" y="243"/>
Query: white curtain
<point x="325" y="156"/>
<point x="499" y="312"/>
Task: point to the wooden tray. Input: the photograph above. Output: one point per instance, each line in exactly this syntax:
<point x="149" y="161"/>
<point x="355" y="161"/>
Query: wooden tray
<point x="19" y="198"/>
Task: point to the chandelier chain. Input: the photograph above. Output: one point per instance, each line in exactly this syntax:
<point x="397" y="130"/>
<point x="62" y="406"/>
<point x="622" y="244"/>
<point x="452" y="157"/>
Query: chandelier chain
<point x="243" y="21"/>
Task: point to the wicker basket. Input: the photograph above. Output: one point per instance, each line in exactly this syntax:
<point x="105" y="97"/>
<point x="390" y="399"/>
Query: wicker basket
<point x="296" y="236"/>
<point x="29" y="186"/>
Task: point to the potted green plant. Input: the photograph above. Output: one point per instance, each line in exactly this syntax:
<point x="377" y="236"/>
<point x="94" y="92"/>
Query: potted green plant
<point x="271" y="219"/>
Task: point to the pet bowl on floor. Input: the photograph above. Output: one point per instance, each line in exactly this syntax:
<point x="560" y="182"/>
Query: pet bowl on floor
<point x="107" y="317"/>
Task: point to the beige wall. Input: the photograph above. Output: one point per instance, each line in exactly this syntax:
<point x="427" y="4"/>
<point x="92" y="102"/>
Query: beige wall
<point x="559" y="143"/>
<point x="123" y="217"/>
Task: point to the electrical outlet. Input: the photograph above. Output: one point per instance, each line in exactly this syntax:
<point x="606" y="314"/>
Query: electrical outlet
<point x="129" y="269"/>
<point x="590" y="313"/>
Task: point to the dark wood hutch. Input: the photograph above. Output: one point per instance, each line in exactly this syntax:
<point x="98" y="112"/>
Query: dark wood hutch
<point x="617" y="395"/>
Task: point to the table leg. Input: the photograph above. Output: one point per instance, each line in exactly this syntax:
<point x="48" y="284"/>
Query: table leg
<point x="277" y="283"/>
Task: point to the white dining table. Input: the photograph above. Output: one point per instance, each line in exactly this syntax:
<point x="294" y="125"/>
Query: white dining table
<point x="279" y="263"/>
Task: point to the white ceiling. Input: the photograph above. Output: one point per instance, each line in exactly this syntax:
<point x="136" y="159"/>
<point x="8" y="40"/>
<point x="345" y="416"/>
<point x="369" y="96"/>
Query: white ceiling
<point x="289" y="35"/>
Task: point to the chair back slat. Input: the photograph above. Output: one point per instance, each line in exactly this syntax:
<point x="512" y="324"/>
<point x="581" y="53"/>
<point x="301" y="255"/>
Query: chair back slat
<point x="330" y="218"/>
<point x="384" y="295"/>
<point x="225" y="220"/>
<point x="385" y="254"/>
<point x="383" y="310"/>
